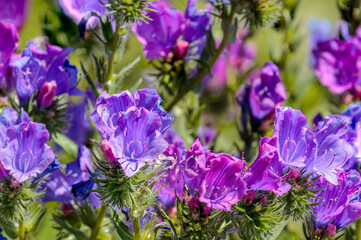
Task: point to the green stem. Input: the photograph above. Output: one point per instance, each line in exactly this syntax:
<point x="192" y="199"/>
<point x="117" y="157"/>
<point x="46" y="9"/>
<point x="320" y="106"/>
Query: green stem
<point x="137" y="231"/>
<point x="98" y="223"/>
<point x="203" y="71"/>
<point x="358" y="229"/>
<point x="21" y="231"/>
<point x="113" y="47"/>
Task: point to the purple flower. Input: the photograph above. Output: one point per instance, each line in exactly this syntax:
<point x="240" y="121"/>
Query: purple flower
<point x="173" y="179"/>
<point x="108" y="109"/>
<point x="13" y="12"/>
<point x="76" y="9"/>
<point x="265" y="173"/>
<point x="217" y="178"/>
<point x="218" y="81"/>
<point x="137" y="139"/>
<point x="320" y="30"/>
<point x="161" y="34"/>
<point x="266" y="91"/>
<point x="321" y="152"/>
<point x="340" y="204"/>
<point x="46" y="94"/>
<point x="8" y="46"/>
<point x="337" y="65"/>
<point x="37" y="66"/>
<point x="159" y="37"/>
<point x="59" y="186"/>
<point x="353" y="135"/>
<point x="24" y="152"/>
<point x="332" y="151"/>
<point x="295" y="141"/>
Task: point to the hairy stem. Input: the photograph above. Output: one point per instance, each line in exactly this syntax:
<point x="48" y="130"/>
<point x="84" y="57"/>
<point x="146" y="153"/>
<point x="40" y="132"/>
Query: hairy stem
<point x="137" y="231"/>
<point x="21" y="231"/>
<point x="203" y="71"/>
<point x="113" y="47"/>
<point x="98" y="223"/>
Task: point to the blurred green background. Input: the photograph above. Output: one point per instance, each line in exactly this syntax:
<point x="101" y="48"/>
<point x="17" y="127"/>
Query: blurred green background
<point x="311" y="96"/>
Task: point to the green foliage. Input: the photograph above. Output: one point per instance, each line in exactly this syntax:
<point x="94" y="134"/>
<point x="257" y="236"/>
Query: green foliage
<point x="260" y="14"/>
<point x="296" y="203"/>
<point x="257" y="219"/>
<point x="129" y="11"/>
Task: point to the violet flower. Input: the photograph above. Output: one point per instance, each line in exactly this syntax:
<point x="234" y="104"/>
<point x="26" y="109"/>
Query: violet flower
<point x="337" y="65"/>
<point x="76" y="9"/>
<point x="8" y="46"/>
<point x="109" y="108"/>
<point x="321" y="152"/>
<point x="168" y="26"/>
<point x="265" y="173"/>
<point x="13" y="12"/>
<point x="24" y="152"/>
<point x="59" y="186"/>
<point x="215" y="178"/>
<point x="137" y="139"/>
<point x="266" y="91"/>
<point x="353" y="135"/>
<point x="340" y="204"/>
<point x="37" y="66"/>
<point x="161" y="34"/>
<point x="173" y="179"/>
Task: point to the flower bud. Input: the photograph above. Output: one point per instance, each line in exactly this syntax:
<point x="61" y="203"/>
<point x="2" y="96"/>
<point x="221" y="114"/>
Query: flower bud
<point x="47" y="94"/>
<point x="181" y="49"/>
<point x="107" y="150"/>
<point x="250" y="196"/>
<point x="15" y="184"/>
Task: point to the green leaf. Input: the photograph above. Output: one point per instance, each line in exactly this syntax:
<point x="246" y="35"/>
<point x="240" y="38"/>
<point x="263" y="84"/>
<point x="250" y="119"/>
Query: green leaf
<point x="68" y="145"/>
<point x="10" y="229"/>
<point x="117" y="84"/>
<point x="122" y="230"/>
<point x="79" y="235"/>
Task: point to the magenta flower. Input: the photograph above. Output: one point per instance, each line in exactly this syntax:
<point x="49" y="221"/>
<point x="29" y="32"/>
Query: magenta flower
<point x="76" y="9"/>
<point x="215" y="178"/>
<point x="266" y="91"/>
<point x="24" y="152"/>
<point x="337" y="64"/>
<point x="8" y="46"/>
<point x="13" y="12"/>
<point x="265" y="173"/>
<point x="340" y="204"/>
<point x="159" y="37"/>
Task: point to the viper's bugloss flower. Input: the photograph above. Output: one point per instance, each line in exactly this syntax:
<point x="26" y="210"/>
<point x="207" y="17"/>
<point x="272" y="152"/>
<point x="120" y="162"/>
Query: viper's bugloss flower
<point x="46" y="94"/>
<point x="339" y="204"/>
<point x="338" y="64"/>
<point x="264" y="91"/>
<point x="8" y="46"/>
<point x="59" y="186"/>
<point x="76" y="9"/>
<point x="134" y="125"/>
<point x="168" y="25"/>
<point x="322" y="151"/>
<point x="137" y="139"/>
<point x="173" y="179"/>
<point x="24" y="153"/>
<point x="37" y="66"/>
<point x="215" y="178"/>
<point x="206" y="134"/>
<point x="13" y="12"/>
<point x="265" y="173"/>
<point x="109" y="108"/>
<point x="353" y="135"/>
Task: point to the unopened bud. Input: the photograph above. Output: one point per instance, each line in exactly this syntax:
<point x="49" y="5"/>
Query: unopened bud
<point x="15" y="184"/>
<point x="47" y="94"/>
<point x="181" y="49"/>
<point x="107" y="150"/>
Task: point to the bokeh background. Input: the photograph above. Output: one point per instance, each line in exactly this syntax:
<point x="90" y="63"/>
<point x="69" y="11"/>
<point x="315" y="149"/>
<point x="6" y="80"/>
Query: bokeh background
<point x="304" y="90"/>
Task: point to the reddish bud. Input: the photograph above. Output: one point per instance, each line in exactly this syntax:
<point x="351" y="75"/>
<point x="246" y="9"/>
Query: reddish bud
<point x="181" y="49"/>
<point x="107" y="150"/>
<point x="250" y="196"/>
<point x="47" y="94"/>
